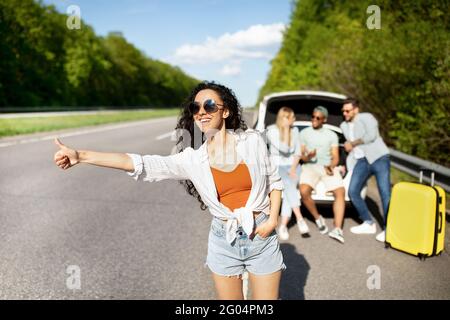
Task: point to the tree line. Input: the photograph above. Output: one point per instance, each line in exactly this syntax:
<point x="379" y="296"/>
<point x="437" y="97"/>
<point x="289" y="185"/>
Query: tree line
<point x="44" y="63"/>
<point x="400" y="72"/>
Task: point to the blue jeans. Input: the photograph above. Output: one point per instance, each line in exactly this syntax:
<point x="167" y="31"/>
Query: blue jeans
<point x="361" y="173"/>
<point x="291" y="196"/>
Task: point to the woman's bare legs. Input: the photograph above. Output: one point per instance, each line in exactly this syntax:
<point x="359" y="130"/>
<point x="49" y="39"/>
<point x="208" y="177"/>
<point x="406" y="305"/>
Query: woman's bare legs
<point x="228" y="288"/>
<point x="285" y="220"/>
<point x="298" y="215"/>
<point x="265" y="287"/>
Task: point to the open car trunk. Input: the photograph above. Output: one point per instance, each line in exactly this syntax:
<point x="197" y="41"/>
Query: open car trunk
<point x="303" y="105"/>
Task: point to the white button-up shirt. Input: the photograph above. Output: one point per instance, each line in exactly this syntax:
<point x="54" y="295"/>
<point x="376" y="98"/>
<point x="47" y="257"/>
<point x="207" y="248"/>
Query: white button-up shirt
<point x="194" y="165"/>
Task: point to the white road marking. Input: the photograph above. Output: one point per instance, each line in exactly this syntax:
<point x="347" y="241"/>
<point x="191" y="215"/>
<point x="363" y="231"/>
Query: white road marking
<point x="79" y="132"/>
<point x="165" y="135"/>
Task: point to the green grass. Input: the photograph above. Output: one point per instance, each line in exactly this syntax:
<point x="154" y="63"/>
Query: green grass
<point x="397" y="176"/>
<point x="11" y="127"/>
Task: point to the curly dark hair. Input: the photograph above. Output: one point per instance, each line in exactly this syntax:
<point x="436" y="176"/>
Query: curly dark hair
<point x="186" y="122"/>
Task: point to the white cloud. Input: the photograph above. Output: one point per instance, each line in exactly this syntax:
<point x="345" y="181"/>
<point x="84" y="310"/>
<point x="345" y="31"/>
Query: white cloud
<point x="255" y="36"/>
<point x="249" y="43"/>
<point x="232" y="70"/>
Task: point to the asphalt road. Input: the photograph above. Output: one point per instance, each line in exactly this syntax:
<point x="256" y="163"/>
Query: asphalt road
<point x="140" y="240"/>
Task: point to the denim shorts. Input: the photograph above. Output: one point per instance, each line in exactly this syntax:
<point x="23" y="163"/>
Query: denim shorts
<point x="259" y="256"/>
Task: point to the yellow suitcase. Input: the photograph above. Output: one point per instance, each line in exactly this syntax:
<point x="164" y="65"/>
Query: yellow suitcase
<point x="416" y="219"/>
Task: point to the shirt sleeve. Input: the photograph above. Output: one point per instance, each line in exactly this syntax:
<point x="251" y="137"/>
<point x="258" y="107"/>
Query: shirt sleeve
<point x="274" y="179"/>
<point x="371" y="128"/>
<point x="344" y="129"/>
<point x="158" y="167"/>
<point x="334" y="139"/>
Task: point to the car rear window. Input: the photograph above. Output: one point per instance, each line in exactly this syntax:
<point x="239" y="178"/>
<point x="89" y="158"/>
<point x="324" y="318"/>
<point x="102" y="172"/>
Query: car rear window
<point x="303" y="107"/>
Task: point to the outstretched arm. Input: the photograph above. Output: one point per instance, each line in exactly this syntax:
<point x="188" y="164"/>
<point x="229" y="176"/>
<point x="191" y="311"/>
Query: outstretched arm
<point x="66" y="158"/>
<point x="155" y="167"/>
<point x="110" y="160"/>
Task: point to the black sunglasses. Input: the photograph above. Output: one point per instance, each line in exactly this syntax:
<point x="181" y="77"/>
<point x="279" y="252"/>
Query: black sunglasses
<point x="317" y="118"/>
<point x="209" y="105"/>
<point x="347" y="110"/>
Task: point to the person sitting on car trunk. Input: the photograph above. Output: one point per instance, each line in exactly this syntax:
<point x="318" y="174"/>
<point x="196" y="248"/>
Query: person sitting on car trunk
<point x="319" y="150"/>
<point x="284" y="144"/>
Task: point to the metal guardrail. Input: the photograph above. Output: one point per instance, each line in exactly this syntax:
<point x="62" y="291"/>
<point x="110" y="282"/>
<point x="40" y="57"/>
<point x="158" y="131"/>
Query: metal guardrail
<point x="412" y="165"/>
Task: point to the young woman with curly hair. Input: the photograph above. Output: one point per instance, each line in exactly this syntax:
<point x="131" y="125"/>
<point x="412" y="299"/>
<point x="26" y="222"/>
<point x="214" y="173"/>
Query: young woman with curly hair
<point x="230" y="173"/>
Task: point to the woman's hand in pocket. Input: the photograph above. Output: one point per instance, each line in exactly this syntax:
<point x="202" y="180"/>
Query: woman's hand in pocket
<point x="265" y="229"/>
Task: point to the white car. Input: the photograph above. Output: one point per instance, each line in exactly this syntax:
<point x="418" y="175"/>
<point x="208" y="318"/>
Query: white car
<point x="303" y="104"/>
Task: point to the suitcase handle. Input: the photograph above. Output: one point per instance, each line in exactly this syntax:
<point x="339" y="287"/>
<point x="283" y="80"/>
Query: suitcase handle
<point x="422" y="170"/>
<point x="441" y="218"/>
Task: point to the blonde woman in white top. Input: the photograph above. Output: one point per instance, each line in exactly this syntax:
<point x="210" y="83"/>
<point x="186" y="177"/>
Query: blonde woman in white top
<point x="245" y="210"/>
<point x="284" y="143"/>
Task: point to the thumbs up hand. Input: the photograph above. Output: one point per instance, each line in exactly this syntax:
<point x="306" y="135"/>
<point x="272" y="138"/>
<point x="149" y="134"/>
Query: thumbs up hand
<point x="65" y="157"/>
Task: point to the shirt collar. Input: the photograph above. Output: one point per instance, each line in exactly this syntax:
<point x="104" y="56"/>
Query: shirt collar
<point x="239" y="135"/>
<point x="318" y="130"/>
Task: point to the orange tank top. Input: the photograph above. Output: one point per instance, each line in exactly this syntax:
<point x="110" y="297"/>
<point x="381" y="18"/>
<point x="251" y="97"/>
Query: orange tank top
<point x="233" y="187"/>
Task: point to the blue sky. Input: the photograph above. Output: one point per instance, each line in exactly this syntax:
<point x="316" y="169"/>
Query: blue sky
<point x="229" y="41"/>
